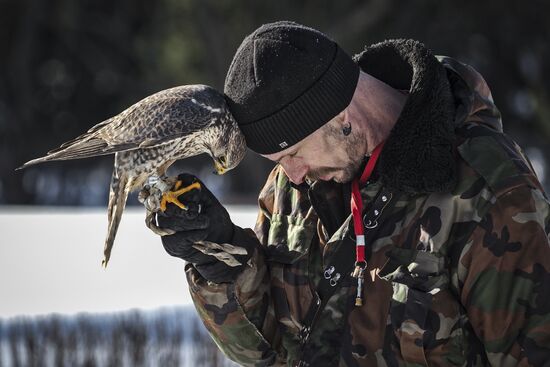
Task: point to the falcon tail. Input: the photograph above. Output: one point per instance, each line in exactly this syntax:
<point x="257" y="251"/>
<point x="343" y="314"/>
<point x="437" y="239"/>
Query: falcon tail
<point x="89" y="144"/>
<point x="83" y="146"/>
<point x="77" y="150"/>
<point x="120" y="187"/>
<point x="81" y="149"/>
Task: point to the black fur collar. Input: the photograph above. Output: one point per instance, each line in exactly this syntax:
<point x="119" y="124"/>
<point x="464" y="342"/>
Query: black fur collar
<point x="418" y="156"/>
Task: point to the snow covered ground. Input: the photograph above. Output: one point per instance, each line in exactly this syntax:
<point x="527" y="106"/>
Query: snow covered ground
<point x="50" y="261"/>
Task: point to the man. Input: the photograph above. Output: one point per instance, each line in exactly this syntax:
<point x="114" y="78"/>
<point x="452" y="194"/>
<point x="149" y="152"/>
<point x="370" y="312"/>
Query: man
<point x="439" y="257"/>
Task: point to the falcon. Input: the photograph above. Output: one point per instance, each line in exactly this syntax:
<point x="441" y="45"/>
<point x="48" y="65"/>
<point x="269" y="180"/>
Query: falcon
<point x="147" y="138"/>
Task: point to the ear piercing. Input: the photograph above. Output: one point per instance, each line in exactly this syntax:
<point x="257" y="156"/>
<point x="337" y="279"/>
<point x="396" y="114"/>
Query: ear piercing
<point x="346" y="130"/>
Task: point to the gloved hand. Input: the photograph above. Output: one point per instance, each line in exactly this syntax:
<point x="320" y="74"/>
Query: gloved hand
<point x="204" y="233"/>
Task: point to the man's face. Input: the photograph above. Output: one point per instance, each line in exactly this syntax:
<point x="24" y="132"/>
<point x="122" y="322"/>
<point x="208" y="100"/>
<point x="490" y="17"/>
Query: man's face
<point x="327" y="154"/>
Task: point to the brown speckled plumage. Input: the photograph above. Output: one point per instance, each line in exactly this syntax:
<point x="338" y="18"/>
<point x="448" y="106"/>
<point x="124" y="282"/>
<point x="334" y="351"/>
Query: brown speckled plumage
<point x="152" y="134"/>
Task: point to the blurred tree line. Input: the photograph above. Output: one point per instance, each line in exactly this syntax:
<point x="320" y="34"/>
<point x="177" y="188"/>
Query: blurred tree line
<point x="165" y="337"/>
<point x="67" y="65"/>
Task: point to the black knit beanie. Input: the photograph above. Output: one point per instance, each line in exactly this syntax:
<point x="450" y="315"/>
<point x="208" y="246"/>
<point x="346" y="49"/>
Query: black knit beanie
<point x="285" y="81"/>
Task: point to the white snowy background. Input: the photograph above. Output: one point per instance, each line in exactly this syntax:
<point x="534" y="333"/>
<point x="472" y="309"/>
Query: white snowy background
<point x="59" y="307"/>
<point x="50" y="261"/>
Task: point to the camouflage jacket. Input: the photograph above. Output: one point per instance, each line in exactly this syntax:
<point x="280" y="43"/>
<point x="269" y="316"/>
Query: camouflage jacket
<point x="459" y="263"/>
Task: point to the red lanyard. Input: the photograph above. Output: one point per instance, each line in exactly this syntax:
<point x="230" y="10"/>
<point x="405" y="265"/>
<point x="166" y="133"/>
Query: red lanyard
<point x="357" y="203"/>
<point x="357" y="212"/>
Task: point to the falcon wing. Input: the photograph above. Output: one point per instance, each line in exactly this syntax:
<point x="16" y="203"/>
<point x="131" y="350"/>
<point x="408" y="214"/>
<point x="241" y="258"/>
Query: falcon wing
<point x="161" y="117"/>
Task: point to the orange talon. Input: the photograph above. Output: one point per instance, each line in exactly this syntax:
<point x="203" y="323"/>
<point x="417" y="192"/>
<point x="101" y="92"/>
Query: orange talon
<point x="172" y="196"/>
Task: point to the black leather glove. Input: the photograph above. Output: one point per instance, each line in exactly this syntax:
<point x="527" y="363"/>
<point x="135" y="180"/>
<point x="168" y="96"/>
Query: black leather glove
<point x="204" y="233"/>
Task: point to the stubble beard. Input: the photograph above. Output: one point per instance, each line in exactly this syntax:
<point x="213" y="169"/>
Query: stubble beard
<point x="350" y="168"/>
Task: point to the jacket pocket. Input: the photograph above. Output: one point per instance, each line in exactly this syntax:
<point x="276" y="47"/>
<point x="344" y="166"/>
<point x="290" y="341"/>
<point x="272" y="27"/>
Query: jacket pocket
<point x="425" y="315"/>
<point x="289" y="238"/>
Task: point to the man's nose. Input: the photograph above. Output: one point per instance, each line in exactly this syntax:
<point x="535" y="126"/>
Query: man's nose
<point x="295" y="171"/>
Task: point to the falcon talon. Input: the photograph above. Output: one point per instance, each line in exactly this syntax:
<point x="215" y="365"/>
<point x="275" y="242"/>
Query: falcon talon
<point x="143" y="194"/>
<point x="172" y="196"/>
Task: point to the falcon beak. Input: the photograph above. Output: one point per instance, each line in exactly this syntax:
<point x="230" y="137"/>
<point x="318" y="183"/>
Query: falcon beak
<point x="220" y="169"/>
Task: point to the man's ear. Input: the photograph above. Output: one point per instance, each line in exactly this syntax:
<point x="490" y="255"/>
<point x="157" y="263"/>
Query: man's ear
<point x="338" y="121"/>
<point x="344" y="118"/>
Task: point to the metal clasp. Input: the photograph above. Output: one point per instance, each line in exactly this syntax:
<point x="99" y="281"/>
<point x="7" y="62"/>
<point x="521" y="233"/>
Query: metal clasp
<point x="369" y="223"/>
<point x="334" y="280"/>
<point x="328" y="272"/>
<point x="328" y="275"/>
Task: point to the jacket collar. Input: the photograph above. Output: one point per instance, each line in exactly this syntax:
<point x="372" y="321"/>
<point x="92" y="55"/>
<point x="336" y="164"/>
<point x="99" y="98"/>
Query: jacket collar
<point x="418" y="156"/>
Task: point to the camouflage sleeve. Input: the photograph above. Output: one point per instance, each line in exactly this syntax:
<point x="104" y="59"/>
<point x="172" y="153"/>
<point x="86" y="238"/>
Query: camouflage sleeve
<point x="504" y="272"/>
<point x="239" y="316"/>
<point x="235" y="313"/>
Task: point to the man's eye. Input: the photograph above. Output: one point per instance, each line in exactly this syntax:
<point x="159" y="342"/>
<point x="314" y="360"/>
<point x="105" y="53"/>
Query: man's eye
<point x="290" y="155"/>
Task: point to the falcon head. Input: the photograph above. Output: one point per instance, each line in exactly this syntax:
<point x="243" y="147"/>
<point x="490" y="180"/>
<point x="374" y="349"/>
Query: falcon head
<point x="229" y="149"/>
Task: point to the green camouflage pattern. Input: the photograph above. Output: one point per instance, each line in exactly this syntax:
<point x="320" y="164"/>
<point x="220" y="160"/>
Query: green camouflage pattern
<point x="460" y="278"/>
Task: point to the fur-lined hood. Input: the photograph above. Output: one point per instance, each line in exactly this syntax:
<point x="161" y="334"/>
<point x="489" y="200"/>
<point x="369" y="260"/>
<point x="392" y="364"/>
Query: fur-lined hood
<point x="419" y="155"/>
